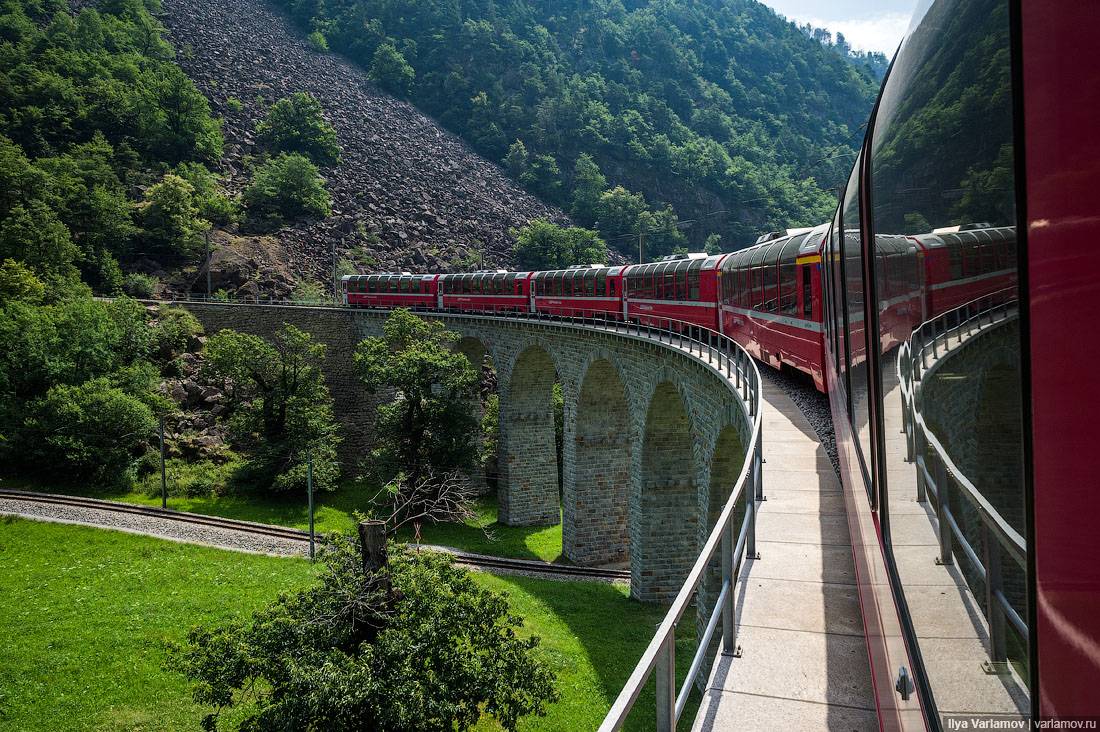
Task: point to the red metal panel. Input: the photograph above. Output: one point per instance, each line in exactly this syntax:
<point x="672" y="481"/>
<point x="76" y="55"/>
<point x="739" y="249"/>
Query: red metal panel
<point x="1061" y="84"/>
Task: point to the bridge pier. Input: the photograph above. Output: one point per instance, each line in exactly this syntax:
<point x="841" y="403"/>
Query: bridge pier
<point x="528" y="490"/>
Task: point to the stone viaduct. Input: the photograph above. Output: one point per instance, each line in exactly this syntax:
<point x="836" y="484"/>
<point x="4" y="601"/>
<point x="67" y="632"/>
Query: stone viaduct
<point x="653" y="437"/>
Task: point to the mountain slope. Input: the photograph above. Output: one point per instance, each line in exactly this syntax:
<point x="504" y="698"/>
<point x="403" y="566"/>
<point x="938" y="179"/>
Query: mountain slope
<point x="710" y="105"/>
<point x="406" y="192"/>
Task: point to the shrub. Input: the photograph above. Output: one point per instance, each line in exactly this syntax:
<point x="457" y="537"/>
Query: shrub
<point x="318" y="42"/>
<point x="288" y="187"/>
<point x="434" y="655"/>
<point x="90" y="431"/>
<point x="235" y="105"/>
<point x="212" y="204"/>
<point x="172" y="331"/>
<point x="296" y="124"/>
<point x="140" y="285"/>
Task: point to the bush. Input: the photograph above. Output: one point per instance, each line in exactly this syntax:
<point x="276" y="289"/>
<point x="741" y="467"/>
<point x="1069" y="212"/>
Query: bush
<point x="90" y="431"/>
<point x="296" y="125"/>
<point x="235" y="105"/>
<point x="173" y="329"/>
<point x="432" y="656"/>
<point x="288" y="187"/>
<point x="391" y="71"/>
<point x="318" y="42"/>
<point x="212" y="204"/>
<point x="140" y="285"/>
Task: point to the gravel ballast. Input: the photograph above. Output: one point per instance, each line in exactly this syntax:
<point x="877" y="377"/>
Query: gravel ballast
<point x="158" y="527"/>
<point x="812" y="403"/>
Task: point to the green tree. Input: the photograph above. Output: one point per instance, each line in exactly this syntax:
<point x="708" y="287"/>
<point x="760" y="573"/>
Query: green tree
<point x="296" y="124"/>
<point x="516" y="161"/>
<point x="542" y="245"/>
<point x="426" y="429"/>
<point x="17" y="282"/>
<point x="170" y="218"/>
<point x="434" y="656"/>
<point x="543" y="177"/>
<point x="588" y="185"/>
<point x="391" y="70"/>
<point x="662" y="234"/>
<point x="213" y="205"/>
<point x="281" y="407"/>
<point x="33" y="235"/>
<point x="93" y="431"/>
<point x="618" y="210"/>
<point x="288" y="187"/>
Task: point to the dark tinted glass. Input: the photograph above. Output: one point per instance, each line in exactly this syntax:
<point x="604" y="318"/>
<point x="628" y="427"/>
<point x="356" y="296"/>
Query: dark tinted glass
<point x="852" y="254"/>
<point x="945" y="276"/>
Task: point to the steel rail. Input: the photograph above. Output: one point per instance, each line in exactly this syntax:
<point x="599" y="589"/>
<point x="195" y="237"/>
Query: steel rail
<point x="738" y="371"/>
<point x="285" y="532"/>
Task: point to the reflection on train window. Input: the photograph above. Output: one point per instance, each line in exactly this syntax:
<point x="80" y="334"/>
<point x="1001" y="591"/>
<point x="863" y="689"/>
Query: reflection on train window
<point x="944" y="219"/>
<point x="852" y="253"/>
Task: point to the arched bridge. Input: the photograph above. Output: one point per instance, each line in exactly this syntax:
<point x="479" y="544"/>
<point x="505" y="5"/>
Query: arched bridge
<point x="653" y="438"/>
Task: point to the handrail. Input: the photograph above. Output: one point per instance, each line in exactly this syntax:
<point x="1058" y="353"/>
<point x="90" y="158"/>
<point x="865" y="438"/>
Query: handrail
<point x="742" y="378"/>
<point x="937" y="473"/>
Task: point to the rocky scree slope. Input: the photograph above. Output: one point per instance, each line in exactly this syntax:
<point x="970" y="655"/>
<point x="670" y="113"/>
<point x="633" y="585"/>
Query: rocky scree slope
<point x="409" y="194"/>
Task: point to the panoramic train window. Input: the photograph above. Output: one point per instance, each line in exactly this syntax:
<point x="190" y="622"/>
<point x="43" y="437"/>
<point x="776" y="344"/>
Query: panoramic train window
<point x="851" y="246"/>
<point x="942" y="167"/>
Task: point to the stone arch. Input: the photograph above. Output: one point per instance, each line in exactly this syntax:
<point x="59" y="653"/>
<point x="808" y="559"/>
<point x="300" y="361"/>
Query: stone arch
<point x="597" y="489"/>
<point x="529" y="495"/>
<point x="665" y="536"/>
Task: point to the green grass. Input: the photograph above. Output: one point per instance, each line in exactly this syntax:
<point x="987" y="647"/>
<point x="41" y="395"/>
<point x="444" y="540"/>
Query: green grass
<point x="335" y="512"/>
<point x="85" y="614"/>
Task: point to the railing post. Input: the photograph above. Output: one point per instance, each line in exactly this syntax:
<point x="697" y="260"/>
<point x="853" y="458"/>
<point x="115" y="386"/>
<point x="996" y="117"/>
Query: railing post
<point x="943" y="511"/>
<point x="750" y="508"/>
<point x="666" y="685"/>
<point x="729" y="580"/>
<point x="760" y="466"/>
<point x="995" y="614"/>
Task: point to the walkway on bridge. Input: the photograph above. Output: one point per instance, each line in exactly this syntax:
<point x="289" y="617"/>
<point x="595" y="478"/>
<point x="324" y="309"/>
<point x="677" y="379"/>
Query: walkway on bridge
<point x="804" y="661"/>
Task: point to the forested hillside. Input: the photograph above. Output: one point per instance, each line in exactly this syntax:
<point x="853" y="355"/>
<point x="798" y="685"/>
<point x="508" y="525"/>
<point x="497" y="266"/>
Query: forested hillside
<point x="708" y="106"/>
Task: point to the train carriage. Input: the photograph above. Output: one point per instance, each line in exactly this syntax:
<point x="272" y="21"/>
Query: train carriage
<point x="959" y="362"/>
<point x="495" y="291"/>
<point x="390" y="290"/>
<point x="674" y="293"/>
<point x="581" y="291"/>
<point x="770" y="300"/>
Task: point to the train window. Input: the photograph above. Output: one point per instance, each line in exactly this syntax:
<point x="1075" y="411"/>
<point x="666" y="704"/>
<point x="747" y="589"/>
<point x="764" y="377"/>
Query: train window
<point x="807" y="291"/>
<point x="955" y="179"/>
<point x="788" y="284"/>
<point x="851" y="241"/>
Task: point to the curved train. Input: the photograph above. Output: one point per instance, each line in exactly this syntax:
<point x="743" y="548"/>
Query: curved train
<point x="767" y="297"/>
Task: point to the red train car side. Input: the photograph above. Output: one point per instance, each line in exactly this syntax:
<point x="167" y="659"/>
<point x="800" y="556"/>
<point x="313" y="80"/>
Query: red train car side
<point x="684" y="290"/>
<point x="498" y="291"/>
<point x="592" y="291"/>
<point x="390" y="290"/>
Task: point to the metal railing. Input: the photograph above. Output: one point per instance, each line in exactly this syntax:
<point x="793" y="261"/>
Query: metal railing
<point x="940" y="478"/>
<point x="733" y="542"/>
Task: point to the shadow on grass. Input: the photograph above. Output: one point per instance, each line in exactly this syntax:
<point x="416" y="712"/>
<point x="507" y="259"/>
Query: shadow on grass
<point x="593" y="634"/>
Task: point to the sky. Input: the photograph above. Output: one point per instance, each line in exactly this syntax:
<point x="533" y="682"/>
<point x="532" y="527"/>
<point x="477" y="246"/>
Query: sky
<point x="869" y="25"/>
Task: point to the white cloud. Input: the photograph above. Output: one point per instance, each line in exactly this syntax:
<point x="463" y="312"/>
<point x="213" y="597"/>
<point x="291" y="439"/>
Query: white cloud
<point x="882" y="32"/>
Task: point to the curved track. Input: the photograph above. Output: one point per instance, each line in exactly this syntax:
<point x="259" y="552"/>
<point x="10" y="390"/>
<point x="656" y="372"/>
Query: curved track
<point x="478" y="561"/>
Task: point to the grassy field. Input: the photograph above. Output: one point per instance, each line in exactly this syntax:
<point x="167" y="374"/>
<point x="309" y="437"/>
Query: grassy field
<point x="86" y="613"/>
<point x="335" y="512"/>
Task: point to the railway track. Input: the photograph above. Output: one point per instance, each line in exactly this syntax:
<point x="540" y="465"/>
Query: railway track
<point x="479" y="561"/>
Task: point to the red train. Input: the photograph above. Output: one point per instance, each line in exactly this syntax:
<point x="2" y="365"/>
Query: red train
<point x="766" y="297"/>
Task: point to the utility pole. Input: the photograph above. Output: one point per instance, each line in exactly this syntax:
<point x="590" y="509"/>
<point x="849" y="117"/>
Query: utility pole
<point x="641" y="242"/>
<point x="207" y="237"/>
<point x="163" y="477"/>
<point x="335" y="282"/>
<point x="309" y="490"/>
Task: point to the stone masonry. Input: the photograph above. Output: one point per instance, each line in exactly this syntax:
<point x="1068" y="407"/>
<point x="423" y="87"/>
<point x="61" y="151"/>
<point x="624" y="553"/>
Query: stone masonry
<point x="641" y="430"/>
